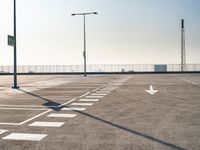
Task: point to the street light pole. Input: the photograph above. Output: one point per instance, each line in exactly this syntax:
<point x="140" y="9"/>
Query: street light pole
<point x="84" y="38"/>
<point x="84" y="53"/>
<point x="15" y="50"/>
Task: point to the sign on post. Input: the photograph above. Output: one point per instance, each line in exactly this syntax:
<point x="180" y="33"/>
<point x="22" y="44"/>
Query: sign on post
<point x="11" y="40"/>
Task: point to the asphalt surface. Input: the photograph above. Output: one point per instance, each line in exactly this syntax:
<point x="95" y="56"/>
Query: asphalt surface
<point x="110" y="112"/>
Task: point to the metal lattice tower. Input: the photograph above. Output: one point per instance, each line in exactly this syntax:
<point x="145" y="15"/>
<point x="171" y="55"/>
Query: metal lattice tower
<point x="183" y="53"/>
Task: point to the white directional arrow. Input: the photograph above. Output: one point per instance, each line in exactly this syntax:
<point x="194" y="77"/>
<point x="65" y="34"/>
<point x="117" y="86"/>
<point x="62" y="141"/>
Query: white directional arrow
<point x="151" y="90"/>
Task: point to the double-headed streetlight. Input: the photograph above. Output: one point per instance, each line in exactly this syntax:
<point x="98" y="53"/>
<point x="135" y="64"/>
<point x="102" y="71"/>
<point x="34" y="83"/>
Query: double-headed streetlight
<point x="84" y="52"/>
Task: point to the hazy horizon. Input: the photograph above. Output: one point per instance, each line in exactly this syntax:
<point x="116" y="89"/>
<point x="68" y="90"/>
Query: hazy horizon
<point x="124" y="32"/>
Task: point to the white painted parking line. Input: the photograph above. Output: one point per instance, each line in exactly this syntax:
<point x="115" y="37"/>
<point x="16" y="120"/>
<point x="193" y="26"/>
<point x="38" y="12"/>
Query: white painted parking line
<point x="34" y="117"/>
<point x="3" y="131"/>
<point x="186" y="80"/>
<point x="103" y="91"/>
<point x="62" y="115"/>
<point x="63" y="104"/>
<point x="46" y="92"/>
<point x="12" y="124"/>
<point x="74" y="108"/>
<point x="46" y="96"/>
<point x="106" y="91"/>
<point x="99" y="94"/>
<point x="25" y="137"/>
<point x="46" y="124"/>
<point x="21" y="108"/>
<point x="2" y="105"/>
<point x="79" y="84"/>
<point x="117" y="84"/>
<point x="111" y="87"/>
<point x="82" y="104"/>
<point x="106" y="88"/>
<point x="89" y="100"/>
<point x="94" y="96"/>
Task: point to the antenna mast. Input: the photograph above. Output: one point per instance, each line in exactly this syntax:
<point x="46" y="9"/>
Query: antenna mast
<point x="183" y="53"/>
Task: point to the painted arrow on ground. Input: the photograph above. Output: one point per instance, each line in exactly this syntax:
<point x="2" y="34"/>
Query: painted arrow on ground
<point x="151" y="91"/>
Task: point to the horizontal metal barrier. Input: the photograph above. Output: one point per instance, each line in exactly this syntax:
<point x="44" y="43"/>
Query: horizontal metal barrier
<point x="126" y="68"/>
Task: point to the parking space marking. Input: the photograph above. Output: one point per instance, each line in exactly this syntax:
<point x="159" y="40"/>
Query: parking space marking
<point x="186" y="80"/>
<point x="55" y="92"/>
<point x="112" y="87"/>
<point x="25" y="136"/>
<point x="47" y="124"/>
<point x="82" y="104"/>
<point x="46" y="96"/>
<point x="27" y="106"/>
<point x="3" y="108"/>
<point x="103" y="91"/>
<point x="62" y="115"/>
<point x="13" y="124"/>
<point x="3" y="131"/>
<point x="17" y="124"/>
<point x="97" y="84"/>
<point x="70" y="86"/>
<point x="98" y="94"/>
<point x="74" y="108"/>
<point x="117" y="84"/>
<point x="57" y="106"/>
<point x="35" y="117"/>
<point x="106" y="91"/>
<point x="94" y="96"/>
<point x="109" y="90"/>
<point x="89" y="100"/>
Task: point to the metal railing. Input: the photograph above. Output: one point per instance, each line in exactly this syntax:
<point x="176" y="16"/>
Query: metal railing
<point x="100" y="68"/>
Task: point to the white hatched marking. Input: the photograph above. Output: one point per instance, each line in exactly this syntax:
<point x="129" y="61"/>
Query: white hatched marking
<point x="82" y="104"/>
<point x="62" y="115"/>
<point x="89" y="100"/>
<point x="94" y="97"/>
<point x="74" y="108"/>
<point x="47" y="124"/>
<point x="24" y="136"/>
<point x="2" y="131"/>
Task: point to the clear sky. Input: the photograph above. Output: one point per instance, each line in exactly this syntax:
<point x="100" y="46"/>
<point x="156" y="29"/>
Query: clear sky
<point x="124" y="31"/>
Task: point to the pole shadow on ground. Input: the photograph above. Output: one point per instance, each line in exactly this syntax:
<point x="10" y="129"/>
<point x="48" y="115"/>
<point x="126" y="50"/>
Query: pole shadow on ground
<point x="57" y="107"/>
<point x="49" y="103"/>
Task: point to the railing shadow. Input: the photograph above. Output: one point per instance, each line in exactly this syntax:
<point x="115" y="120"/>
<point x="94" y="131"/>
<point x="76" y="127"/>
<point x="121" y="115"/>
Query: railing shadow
<point x="57" y="107"/>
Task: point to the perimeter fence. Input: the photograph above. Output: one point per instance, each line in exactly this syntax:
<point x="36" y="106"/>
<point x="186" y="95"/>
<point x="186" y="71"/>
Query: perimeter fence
<point x="101" y="68"/>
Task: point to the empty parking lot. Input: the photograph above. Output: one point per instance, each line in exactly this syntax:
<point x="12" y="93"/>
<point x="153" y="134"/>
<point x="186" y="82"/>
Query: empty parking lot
<point x="105" y="112"/>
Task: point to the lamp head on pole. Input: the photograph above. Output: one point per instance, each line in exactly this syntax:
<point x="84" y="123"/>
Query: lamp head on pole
<point x="182" y="23"/>
<point x="90" y="13"/>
